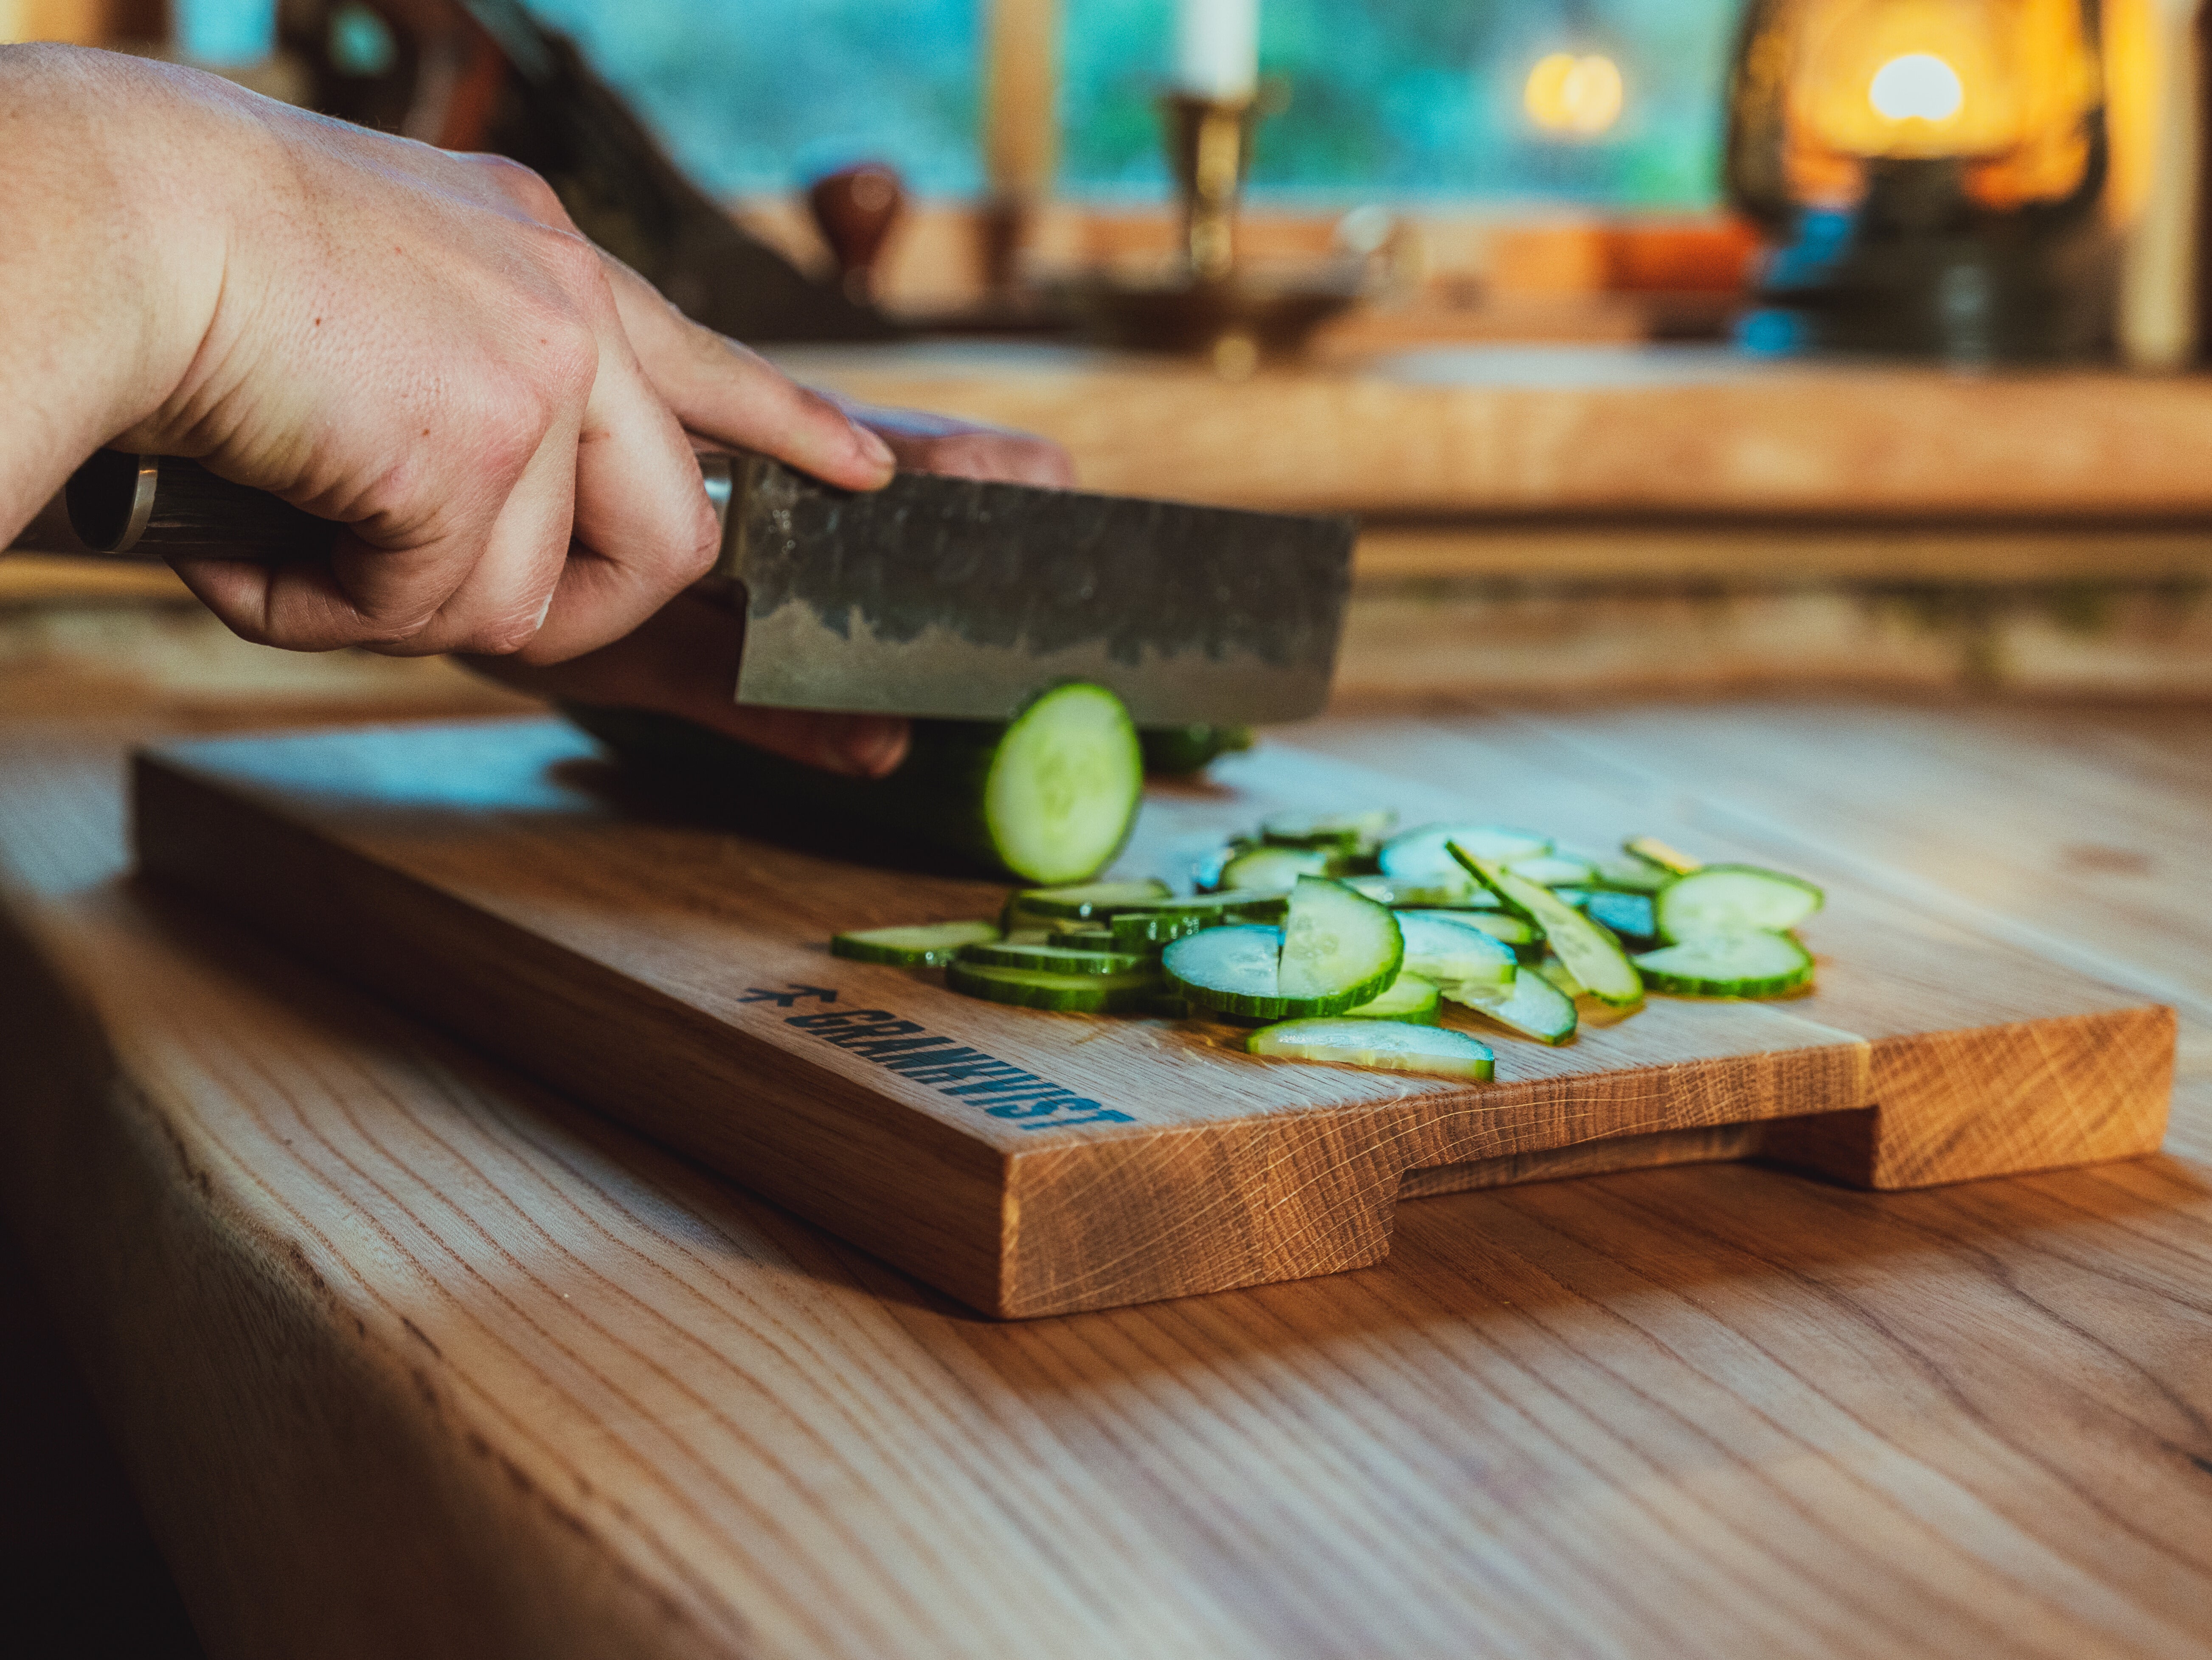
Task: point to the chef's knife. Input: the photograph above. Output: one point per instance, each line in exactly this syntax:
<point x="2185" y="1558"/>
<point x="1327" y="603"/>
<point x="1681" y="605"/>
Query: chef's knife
<point x="933" y="596"/>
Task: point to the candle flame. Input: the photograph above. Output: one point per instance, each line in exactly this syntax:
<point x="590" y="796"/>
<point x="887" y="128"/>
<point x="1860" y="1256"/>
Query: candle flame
<point x="1575" y="96"/>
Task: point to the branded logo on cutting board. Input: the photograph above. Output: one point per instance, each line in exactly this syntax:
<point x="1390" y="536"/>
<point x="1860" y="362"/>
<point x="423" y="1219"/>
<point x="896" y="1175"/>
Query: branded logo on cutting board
<point x="946" y="1064"/>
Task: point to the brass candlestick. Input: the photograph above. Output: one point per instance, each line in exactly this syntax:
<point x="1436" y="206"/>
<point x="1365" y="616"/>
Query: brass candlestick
<point x="1210" y="148"/>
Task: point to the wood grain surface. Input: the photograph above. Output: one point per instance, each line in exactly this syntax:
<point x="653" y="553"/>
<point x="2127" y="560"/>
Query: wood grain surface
<point x="406" y="1355"/>
<point x="1563" y="429"/>
<point x="675" y="974"/>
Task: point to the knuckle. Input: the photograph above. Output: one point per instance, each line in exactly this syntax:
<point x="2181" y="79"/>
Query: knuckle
<point x="522" y="186"/>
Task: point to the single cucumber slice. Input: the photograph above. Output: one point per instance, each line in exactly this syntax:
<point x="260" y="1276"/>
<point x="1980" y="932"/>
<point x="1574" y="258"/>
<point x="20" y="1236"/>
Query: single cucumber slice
<point x="1382" y="1045"/>
<point x="1554" y="870"/>
<point x="1350" y="832"/>
<point x="1501" y="926"/>
<point x="1561" y="975"/>
<point x="1273" y="870"/>
<point x="1048" y="797"/>
<point x="1761" y="964"/>
<point x="930" y="945"/>
<point x="1337" y="943"/>
<point x="1090" y="899"/>
<point x="1414" y="895"/>
<point x="1448" y="950"/>
<point x="1060" y="796"/>
<point x="1234" y="970"/>
<point x="1183" y="749"/>
<point x="1734" y="899"/>
<point x="1531" y="1006"/>
<point x="1174" y="919"/>
<point x="1057" y="958"/>
<point x="1653" y="851"/>
<point x="1592" y="955"/>
<point x="1422" y="857"/>
<point x="1067" y="994"/>
<point x="1631" y="876"/>
<point x="1628" y="915"/>
<point x="1409" y="997"/>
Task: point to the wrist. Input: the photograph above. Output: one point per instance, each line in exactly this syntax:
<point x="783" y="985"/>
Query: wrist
<point x="110" y="265"/>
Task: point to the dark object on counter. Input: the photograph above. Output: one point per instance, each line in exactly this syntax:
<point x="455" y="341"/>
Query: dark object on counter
<point x="856" y="208"/>
<point x="1178" y="752"/>
<point x="1905" y="217"/>
<point x="482" y="74"/>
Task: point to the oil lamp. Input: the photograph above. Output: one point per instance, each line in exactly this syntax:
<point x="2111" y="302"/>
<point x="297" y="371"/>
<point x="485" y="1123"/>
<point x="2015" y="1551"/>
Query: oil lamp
<point x="1930" y="172"/>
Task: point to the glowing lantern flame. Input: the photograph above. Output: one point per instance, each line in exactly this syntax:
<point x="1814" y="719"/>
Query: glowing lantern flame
<point x="1919" y="86"/>
<point x="1579" y="97"/>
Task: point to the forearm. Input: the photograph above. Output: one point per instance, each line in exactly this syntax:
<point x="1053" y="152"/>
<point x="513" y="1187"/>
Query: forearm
<point x="109" y="264"/>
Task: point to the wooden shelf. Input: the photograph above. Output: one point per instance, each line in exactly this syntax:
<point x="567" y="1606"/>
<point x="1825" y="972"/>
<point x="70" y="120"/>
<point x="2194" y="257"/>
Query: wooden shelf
<point x="1516" y="430"/>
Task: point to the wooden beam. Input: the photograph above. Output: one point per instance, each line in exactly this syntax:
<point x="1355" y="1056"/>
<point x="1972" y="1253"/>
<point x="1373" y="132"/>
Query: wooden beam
<point x="1022" y="88"/>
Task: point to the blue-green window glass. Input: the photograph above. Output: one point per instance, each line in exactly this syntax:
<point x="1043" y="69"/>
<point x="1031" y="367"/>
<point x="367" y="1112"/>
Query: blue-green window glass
<point x="1396" y="100"/>
<point x="1411" y="99"/>
<point x="762" y="94"/>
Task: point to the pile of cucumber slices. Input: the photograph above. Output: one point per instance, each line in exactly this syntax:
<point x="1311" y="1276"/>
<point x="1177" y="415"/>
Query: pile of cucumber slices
<point x="1343" y="943"/>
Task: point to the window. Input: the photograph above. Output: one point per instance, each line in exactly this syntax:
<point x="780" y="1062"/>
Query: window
<point x="1408" y="101"/>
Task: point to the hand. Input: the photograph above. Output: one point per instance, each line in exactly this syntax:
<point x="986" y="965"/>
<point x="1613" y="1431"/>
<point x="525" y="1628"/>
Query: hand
<point x="417" y="344"/>
<point x="684" y="660"/>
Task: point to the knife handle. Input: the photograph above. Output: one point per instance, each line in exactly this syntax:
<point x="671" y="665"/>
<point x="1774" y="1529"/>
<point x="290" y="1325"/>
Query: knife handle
<point x="156" y="507"/>
<point x="162" y="507"/>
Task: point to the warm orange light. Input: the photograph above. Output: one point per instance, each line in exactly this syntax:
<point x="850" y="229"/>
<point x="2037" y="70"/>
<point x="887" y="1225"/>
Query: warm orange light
<point x="1576" y="97"/>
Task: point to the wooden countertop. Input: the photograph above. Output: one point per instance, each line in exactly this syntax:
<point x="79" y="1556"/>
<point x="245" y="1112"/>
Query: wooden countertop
<point x="1567" y="430"/>
<point x="406" y="1356"/>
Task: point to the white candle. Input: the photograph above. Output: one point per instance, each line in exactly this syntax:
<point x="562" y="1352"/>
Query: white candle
<point x="1218" y="48"/>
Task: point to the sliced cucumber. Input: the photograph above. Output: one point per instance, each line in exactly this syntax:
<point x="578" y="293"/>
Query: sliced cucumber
<point x="1531" y="1006"/>
<point x="1235" y="971"/>
<point x="1382" y="1045"/>
<point x="1066" y="993"/>
<point x="1653" y="851"/>
<point x="1173" y="919"/>
<point x="1337" y="943"/>
<point x="1448" y="950"/>
<point x="1734" y="899"/>
<point x="1501" y="926"/>
<point x="1757" y="964"/>
<point x="1273" y="870"/>
<point x="1348" y="832"/>
<point x="1409" y="997"/>
<point x="1090" y="899"/>
<point x="1182" y="750"/>
<point x="930" y="945"/>
<point x="1405" y="895"/>
<point x="1554" y="870"/>
<point x="1055" y="959"/>
<point x="1631" y="876"/>
<point x="1561" y="975"/>
<point x="1422" y="858"/>
<point x="1592" y="955"/>
<point x="1628" y="915"/>
<point x="1048" y="797"/>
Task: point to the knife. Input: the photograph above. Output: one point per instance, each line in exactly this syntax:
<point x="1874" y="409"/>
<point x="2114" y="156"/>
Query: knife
<point x="933" y="596"/>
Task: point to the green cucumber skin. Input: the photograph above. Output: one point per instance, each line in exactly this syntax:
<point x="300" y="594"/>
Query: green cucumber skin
<point x="855" y="948"/>
<point x="1246" y="1005"/>
<point x="1057" y="959"/>
<point x="1177" y="752"/>
<point x="934" y="798"/>
<point x="1530" y="907"/>
<point x="1029" y="989"/>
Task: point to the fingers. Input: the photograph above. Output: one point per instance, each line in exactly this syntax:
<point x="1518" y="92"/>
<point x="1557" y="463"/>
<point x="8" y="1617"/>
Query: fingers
<point x="684" y="661"/>
<point x="725" y="392"/>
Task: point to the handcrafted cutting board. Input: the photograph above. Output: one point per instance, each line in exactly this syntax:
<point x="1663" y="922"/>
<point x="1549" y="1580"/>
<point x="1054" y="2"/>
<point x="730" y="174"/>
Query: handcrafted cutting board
<point x="504" y="882"/>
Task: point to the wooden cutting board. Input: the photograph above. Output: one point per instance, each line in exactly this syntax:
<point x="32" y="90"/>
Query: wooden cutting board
<point x="502" y="881"/>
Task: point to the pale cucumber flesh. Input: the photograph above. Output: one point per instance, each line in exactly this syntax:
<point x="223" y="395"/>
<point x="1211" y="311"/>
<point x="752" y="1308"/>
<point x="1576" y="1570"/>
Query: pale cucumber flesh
<point x="1760" y="964"/>
<point x="1337" y="943"/>
<point x="1733" y="899"/>
<point x="1063" y="787"/>
<point x="1378" y="1045"/>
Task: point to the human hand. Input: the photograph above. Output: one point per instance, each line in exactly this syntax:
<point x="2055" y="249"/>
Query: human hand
<point x="683" y="660"/>
<point x="417" y="344"/>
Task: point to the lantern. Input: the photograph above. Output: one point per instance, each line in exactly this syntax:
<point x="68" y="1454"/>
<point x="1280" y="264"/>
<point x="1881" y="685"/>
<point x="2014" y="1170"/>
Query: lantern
<point x="1931" y="173"/>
